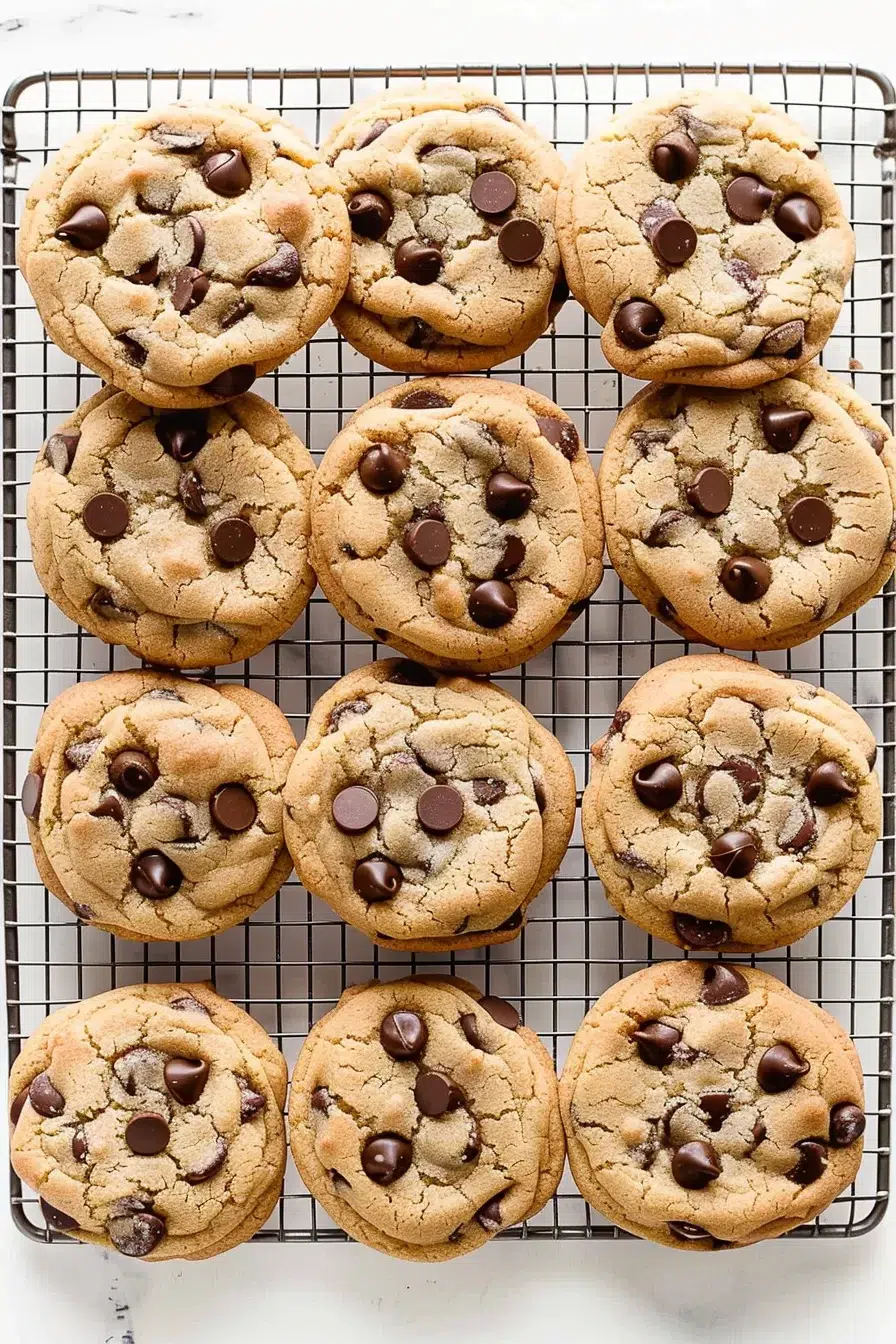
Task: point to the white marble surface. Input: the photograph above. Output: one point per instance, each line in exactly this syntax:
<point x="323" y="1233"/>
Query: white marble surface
<point x="798" y="1293"/>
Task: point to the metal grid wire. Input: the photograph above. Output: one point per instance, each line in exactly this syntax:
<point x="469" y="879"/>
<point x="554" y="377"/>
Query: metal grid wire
<point x="288" y="964"/>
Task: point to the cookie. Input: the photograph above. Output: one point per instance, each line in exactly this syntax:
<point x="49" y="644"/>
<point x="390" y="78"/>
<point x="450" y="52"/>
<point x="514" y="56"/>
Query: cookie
<point x="183" y="535"/>
<point x="753" y="519"/>
<point x="708" y="1106"/>
<point x="427" y="810"/>
<point x="455" y="263"/>
<point x="149" y="1120"/>
<point x="458" y="520"/>
<point x="705" y="235"/>
<point x="182" y="253"/>
<point x="729" y="807"/>
<point x="154" y="804"/>
<point x="423" y="1117"/>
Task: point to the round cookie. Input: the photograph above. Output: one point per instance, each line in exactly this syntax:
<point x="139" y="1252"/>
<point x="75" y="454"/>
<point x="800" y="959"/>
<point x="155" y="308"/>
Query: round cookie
<point x="459" y="521"/>
<point x="424" y="1117"/>
<point x="707" y="1106"/>
<point x="455" y="263"/>
<point x="729" y="807"/>
<point x="754" y="519"/>
<point x="427" y="811"/>
<point x="154" y="804"/>
<point x="182" y="253"/>
<point x="182" y="535"/>
<point x="703" y="233"/>
<point x="150" y="1121"/>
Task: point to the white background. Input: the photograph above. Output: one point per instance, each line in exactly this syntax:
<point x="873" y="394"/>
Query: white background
<point x="801" y="1293"/>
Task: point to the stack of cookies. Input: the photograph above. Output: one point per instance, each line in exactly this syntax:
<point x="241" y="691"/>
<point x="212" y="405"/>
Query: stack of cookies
<point x="748" y="499"/>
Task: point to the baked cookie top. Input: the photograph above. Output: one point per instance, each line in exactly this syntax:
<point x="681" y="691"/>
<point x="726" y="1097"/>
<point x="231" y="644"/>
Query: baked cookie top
<point x="149" y="1119"/>
<point x="183" y="535"/>
<point x="707" y="1105"/>
<point x="154" y="804"/>
<point x="427" y="811"/>
<point x="703" y="232"/>
<point x="752" y="519"/>
<point x="181" y="253"/>
<point x="458" y="520"/>
<point x="451" y="200"/>
<point x="730" y="807"/>
<point x="424" y="1117"/>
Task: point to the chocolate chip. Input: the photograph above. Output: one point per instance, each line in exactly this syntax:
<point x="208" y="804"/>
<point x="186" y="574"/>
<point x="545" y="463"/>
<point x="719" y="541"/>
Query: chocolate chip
<point x="132" y="773"/>
<point x="742" y="272"/>
<point x="512" y="557"/>
<point x="520" y="241"/>
<point x="489" y="791"/>
<point x="108" y="807"/>
<point x="423" y="400"/>
<point x="403" y="1034"/>
<point x="783" y="426"/>
<point x="798" y="832"/>
<point x="658" y="534"/>
<point x="418" y="334"/>
<point x="18" y="1105"/>
<point x="675" y="156"/>
<point x="799" y="217"/>
<point x="188" y="232"/>
<point x="408" y="673"/>
<point x="135" y="351"/>
<point x="658" y="785"/>
<point x="474" y="1142"/>
<point x="373" y="132"/>
<point x="748" y="199"/>
<point x="784" y="342"/>
<point x="187" y="1004"/>
<point x="182" y="434"/>
<point x="190" y="493"/>
<point x="506" y="496"/>
<point x="44" y="1097"/>
<point x="656" y="1041"/>
<point x="489" y="1216"/>
<point x="232" y="540"/>
<point x="185" y="1079"/>
<point x="780" y="1067"/>
<point x="746" y="577"/>
<point x="748" y="778"/>
<point x="386" y="1157"/>
<point x="440" y="808"/>
<point x="436" y="1095"/>
<point x="134" y="1229"/>
<point x="226" y="173"/>
<point x="281" y="271"/>
<point x="561" y="434"/>
<point x="810" y="520"/>
<point x="178" y="141"/>
<point x="689" y="1231"/>
<point x="77" y="754"/>
<point x="847" y="1124"/>
<point x="503" y="1012"/>
<point x="208" y="1168"/>
<point x="722" y="984"/>
<point x="355" y="809"/>
<point x="190" y="288"/>
<point x="673" y="238"/>
<point x="377" y="879"/>
<point x="468" y="1027"/>
<point x="710" y="491"/>
<point x="666" y="610"/>
<point x="106" y="516"/>
<point x="827" y="785"/>
<point x="79" y="1145"/>
<point x="812" y="1162"/>
<point x="717" y="1107"/>
<point x="87" y="228"/>
<point x="147" y="273"/>
<point x="252" y="1103"/>
<point x="418" y="263"/>
<point x="59" y="451"/>
<point x="236" y="314"/>
<point x="427" y="543"/>
<point x="232" y="808"/>
<point x="383" y="468"/>
<point x="147" y="1134"/>
<point x="62" y="1222"/>
<point x="695" y="1165"/>
<point x="637" y="324"/>
<point x="150" y="208"/>
<point x="155" y="875"/>
<point x="492" y="604"/>
<point x="32" y="788"/>
<point x="232" y="382"/>
<point x="734" y="854"/>
<point x="701" y="933"/>
<point x="370" y="214"/>
<point x="874" y="437"/>
<point x="321" y="1100"/>
<point x="493" y="193"/>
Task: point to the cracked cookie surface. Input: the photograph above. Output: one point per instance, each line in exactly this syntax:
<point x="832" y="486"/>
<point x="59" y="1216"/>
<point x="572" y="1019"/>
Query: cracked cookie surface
<point x="424" y="1117"/>
<point x="154" y="804"/>
<point x="459" y="521"/>
<point x="427" y="811"/>
<point x="707" y="1105"/>
<point x="455" y="263"/>
<point x="703" y="232"/>
<point x="149" y="1120"/>
<point x="205" y="560"/>
<point x="730" y="807"/>
<point x="753" y="519"/>
<point x="182" y="253"/>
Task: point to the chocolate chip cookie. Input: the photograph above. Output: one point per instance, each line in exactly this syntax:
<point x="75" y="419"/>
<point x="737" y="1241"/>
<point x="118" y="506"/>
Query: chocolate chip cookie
<point x="424" y="1117"/>
<point x="708" y="1106"/>
<point x="752" y="519"/>
<point x="182" y="253"/>
<point x="455" y="263"/>
<point x="149" y="1120"/>
<point x="427" y="811"/>
<point x="458" y="520"/>
<point x="154" y="804"/>
<point x="703" y="232"/>
<point x="730" y="807"/>
<point x="183" y="535"/>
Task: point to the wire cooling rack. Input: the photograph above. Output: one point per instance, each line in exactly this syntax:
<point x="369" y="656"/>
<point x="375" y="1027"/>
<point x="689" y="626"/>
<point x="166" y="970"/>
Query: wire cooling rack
<point x="289" y="963"/>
